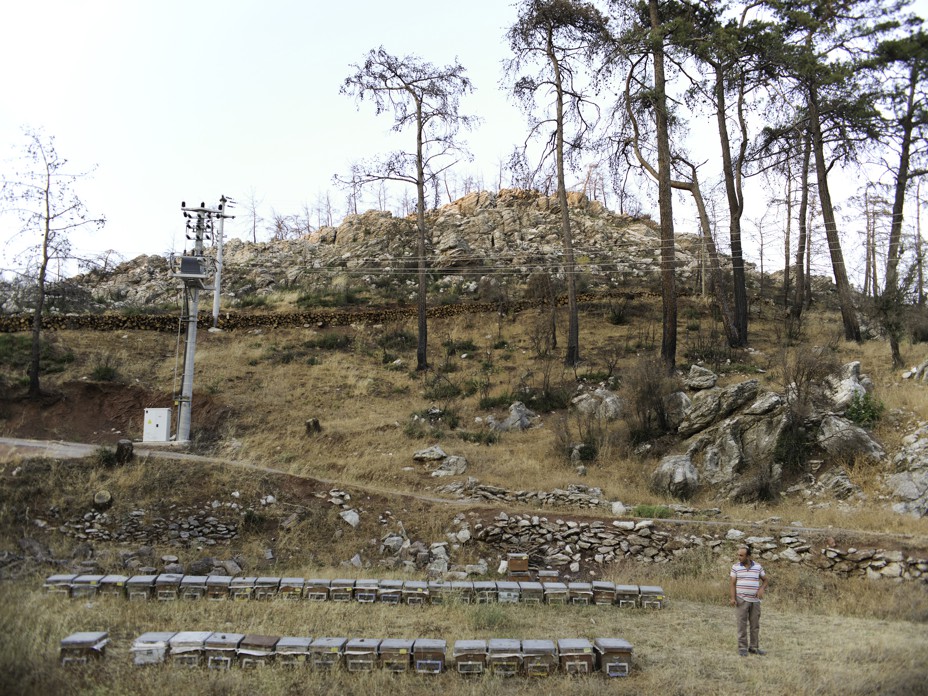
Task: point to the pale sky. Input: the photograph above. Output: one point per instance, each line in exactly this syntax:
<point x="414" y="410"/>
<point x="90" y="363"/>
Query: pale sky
<point x="185" y="101"/>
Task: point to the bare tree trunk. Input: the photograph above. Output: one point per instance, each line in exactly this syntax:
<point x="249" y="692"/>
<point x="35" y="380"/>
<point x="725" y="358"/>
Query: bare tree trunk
<point x="36" y="352"/>
<point x="422" y="362"/>
<point x="799" y="300"/>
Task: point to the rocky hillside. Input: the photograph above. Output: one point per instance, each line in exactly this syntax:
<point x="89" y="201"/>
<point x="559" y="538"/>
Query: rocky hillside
<point x="480" y="244"/>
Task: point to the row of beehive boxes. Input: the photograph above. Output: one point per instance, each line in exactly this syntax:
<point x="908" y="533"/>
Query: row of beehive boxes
<point x="502" y="656"/>
<point x="171" y="586"/>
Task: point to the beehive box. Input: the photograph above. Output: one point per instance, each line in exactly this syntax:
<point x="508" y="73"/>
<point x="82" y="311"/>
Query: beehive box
<point x="539" y="657"/>
<point x="113" y="586"/>
<point x="221" y="649"/>
<point x="242" y="588"/>
<point x="626" y="596"/>
<point x="80" y="648"/>
<point x="317" y="589"/>
<point x="256" y="650"/>
<point x="439" y="591"/>
<point x="217" y="587"/>
<point x="85" y="586"/>
<point x="186" y="648"/>
<point x="555" y="592"/>
<point x="603" y="592"/>
<point x="266" y="588"/>
<point x="395" y="654"/>
<point x="504" y="656"/>
<point x="428" y="655"/>
<point x="575" y="656"/>
<point x="293" y="651"/>
<point x="365" y="590"/>
<point x="470" y="656"/>
<point x="415" y="592"/>
<point x="580" y="593"/>
<point x="361" y="654"/>
<point x="613" y="656"/>
<point x="140" y="587"/>
<point x="652" y="597"/>
<point x="59" y="584"/>
<point x="485" y="592"/>
<point x="326" y="653"/>
<point x="193" y="587"/>
<point x="462" y="591"/>
<point x="517" y="562"/>
<point x="547" y="575"/>
<point x="341" y="590"/>
<point x="291" y="588"/>
<point x="151" y="648"/>
<point x="390" y="591"/>
<point x="532" y="592"/>
<point x="508" y="592"/>
<point x="167" y="587"/>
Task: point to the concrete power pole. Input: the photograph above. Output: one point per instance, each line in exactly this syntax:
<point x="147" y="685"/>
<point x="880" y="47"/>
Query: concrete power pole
<point x="224" y="203"/>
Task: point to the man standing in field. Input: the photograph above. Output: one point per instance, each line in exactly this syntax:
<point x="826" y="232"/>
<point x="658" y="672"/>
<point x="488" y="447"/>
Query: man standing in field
<point x="748" y="586"/>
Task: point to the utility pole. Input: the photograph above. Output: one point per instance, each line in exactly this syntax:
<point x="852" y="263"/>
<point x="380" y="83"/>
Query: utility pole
<point x="217" y="283"/>
<point x="191" y="269"/>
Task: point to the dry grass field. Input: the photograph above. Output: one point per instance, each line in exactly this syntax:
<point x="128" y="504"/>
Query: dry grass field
<point x="255" y="390"/>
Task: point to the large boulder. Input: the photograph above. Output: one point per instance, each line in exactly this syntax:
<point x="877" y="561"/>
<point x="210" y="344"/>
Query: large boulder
<point x="842" y="389"/>
<point x="520" y="418"/>
<point x="909" y="482"/>
<point x="677" y="476"/>
<point x="841" y="438"/>
<point x="711" y="405"/>
<point x="601" y="404"/>
<point x="700" y="378"/>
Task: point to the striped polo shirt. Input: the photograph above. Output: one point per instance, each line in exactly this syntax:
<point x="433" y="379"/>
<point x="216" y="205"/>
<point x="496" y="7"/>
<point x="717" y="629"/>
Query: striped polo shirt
<point x="747" y="580"/>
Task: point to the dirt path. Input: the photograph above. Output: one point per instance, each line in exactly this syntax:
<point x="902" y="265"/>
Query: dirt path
<point x="12" y="448"/>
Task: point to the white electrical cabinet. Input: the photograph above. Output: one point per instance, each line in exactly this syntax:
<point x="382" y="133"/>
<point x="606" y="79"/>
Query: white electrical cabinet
<point x="157" y="427"/>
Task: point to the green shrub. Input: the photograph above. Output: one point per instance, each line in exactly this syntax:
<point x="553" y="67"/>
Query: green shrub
<point x="105" y="370"/>
<point x="453" y="347"/>
<point x="104" y="456"/>
<point x="481" y="437"/>
<point x="491" y="402"/>
<point x="440" y="388"/>
<point x="656" y="511"/>
<point x="330" y="341"/>
<point x="865" y="410"/>
<point x="646" y="386"/>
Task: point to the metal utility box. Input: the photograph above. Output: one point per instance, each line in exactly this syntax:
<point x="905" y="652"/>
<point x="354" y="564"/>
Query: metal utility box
<point x="140" y="587"/>
<point x="390" y="591"/>
<point x="186" y="648"/>
<point x="652" y="597"/>
<point x="293" y="651"/>
<point x="539" y="657"/>
<point x="59" y="584"/>
<point x="428" y="655"/>
<point x="508" y="592"/>
<point x="217" y="587"/>
<point x="317" y="590"/>
<point x="221" y="649"/>
<point x="580" y="592"/>
<point x="326" y="653"/>
<point x="396" y="654"/>
<point x="575" y="655"/>
<point x="256" y="650"/>
<point x="80" y="648"/>
<point x="291" y="588"/>
<point x="150" y="648"/>
<point x="266" y="588"/>
<point x="365" y="591"/>
<point x="157" y="425"/>
<point x="193" y="587"/>
<point x="242" y="588"/>
<point x="85" y="586"/>
<point x="113" y="586"/>
<point x="167" y="586"/>
<point x="603" y="592"/>
<point x="532" y="592"/>
<point x="504" y="656"/>
<point x="415" y="592"/>
<point x="470" y="656"/>
<point x="613" y="656"/>
<point x="462" y="591"/>
<point x="341" y="590"/>
<point x="361" y="654"/>
<point x="555" y="592"/>
<point x="517" y="562"/>
<point x="485" y="592"/>
<point x="626" y="596"/>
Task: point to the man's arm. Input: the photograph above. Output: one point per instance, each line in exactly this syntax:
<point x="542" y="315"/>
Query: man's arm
<point x="734" y="596"/>
<point x="762" y="590"/>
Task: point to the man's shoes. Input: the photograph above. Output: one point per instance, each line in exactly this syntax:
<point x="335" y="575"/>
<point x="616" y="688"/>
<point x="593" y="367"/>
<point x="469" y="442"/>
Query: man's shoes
<point x="743" y="653"/>
<point x="757" y="651"/>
